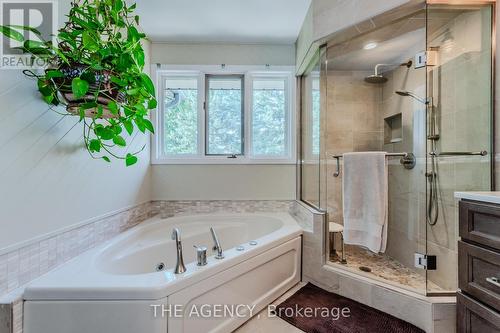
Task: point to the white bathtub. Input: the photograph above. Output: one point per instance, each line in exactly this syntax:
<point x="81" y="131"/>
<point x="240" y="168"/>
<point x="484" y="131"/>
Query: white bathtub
<point x="116" y="288"/>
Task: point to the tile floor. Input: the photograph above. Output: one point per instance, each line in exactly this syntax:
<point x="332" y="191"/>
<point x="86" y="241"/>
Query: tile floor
<point x="385" y="268"/>
<point x="262" y="323"/>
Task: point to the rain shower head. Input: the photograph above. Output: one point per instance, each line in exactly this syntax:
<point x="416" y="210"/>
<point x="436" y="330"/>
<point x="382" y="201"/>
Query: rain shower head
<point x="410" y="94"/>
<point x="378" y="78"/>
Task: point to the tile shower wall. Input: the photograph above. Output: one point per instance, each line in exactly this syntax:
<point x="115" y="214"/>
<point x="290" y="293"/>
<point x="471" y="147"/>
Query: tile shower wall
<point x="353" y="123"/>
<point x="406" y="205"/>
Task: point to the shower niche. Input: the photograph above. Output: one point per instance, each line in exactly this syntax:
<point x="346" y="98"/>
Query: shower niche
<point x="417" y="83"/>
<point x="393" y="129"/>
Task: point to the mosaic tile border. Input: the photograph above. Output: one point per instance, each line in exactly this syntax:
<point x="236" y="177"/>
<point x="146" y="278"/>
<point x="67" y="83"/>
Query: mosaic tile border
<point x="172" y="208"/>
<point x="21" y="266"/>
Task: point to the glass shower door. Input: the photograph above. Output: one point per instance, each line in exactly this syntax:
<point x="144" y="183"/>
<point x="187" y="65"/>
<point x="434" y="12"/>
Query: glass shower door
<point x="310" y="133"/>
<point x="459" y="126"/>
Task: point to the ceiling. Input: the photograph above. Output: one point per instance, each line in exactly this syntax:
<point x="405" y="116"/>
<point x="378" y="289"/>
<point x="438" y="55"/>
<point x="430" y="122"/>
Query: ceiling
<point x="233" y="21"/>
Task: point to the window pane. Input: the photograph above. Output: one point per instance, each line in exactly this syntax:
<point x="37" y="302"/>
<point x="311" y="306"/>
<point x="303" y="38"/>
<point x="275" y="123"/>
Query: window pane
<point x="269" y="117"/>
<point x="224" y="115"/>
<point x="181" y="116"/>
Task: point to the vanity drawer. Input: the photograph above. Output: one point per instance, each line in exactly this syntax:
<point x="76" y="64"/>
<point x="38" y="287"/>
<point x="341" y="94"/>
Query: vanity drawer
<point x="480" y="223"/>
<point x="479" y="273"/>
<point x="472" y="317"/>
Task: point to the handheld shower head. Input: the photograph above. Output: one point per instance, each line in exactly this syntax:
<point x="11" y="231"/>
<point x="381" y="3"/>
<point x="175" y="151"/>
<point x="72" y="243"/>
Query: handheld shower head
<point x="405" y="93"/>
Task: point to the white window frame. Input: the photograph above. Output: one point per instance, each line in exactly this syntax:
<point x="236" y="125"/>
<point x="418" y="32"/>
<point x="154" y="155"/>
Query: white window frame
<point x="251" y="73"/>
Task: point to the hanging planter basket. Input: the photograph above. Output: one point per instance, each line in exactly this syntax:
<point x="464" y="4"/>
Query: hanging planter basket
<point x="95" y="70"/>
<point x="107" y="92"/>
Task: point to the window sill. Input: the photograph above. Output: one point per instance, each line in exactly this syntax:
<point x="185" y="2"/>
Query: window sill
<point x="222" y="161"/>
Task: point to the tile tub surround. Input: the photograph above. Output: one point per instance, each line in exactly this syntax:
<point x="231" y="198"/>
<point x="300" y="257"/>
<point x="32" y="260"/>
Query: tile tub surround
<point x="22" y="265"/>
<point x="432" y="314"/>
<point x="174" y="208"/>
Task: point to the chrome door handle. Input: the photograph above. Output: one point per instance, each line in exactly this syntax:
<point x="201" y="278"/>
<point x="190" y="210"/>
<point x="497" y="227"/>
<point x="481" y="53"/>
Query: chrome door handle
<point x="494" y="281"/>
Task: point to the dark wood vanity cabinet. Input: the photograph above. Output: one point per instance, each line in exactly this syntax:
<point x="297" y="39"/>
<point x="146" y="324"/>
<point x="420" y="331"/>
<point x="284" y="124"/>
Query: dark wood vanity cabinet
<point x="478" y="300"/>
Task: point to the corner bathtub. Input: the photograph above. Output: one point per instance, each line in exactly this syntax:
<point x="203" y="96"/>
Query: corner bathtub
<point x="116" y="288"/>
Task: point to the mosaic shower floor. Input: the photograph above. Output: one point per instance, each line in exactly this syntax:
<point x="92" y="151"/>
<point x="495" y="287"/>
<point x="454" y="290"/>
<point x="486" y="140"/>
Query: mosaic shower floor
<point x="385" y="268"/>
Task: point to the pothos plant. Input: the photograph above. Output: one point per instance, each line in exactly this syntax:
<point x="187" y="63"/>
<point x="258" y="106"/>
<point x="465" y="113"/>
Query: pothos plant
<point x="95" y="70"/>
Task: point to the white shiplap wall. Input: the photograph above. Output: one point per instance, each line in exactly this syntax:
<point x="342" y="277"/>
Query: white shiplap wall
<point x="47" y="179"/>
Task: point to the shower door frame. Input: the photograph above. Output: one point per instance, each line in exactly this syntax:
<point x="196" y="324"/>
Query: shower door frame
<point x="493" y="4"/>
<point x="492" y="145"/>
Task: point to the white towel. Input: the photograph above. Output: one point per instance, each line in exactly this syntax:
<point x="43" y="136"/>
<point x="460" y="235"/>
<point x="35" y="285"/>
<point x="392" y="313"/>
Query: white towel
<point x="365" y="199"/>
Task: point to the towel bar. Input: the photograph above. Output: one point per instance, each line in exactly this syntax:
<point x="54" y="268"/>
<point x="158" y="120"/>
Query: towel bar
<point x="408" y="161"/>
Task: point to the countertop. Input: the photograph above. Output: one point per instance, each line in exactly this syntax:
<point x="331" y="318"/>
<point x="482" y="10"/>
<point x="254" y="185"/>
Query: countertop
<point x="491" y="197"/>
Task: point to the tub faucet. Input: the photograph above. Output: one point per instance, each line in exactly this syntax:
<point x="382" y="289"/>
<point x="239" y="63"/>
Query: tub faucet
<point x="217" y="247"/>
<point x="179" y="267"/>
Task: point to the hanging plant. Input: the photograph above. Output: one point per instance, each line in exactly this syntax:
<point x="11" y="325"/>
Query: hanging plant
<point x="96" y="72"/>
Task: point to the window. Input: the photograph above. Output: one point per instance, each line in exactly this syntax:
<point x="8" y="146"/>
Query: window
<point x="180" y="118"/>
<point x="269" y="117"/>
<point x="224" y="110"/>
<point x="220" y="116"/>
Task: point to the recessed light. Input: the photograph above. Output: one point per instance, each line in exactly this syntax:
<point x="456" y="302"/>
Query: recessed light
<point x="370" y="46"/>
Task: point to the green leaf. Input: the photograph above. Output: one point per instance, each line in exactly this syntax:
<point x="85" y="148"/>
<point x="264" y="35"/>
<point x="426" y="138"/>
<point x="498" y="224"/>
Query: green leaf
<point x="34" y="44"/>
<point x="139" y="57"/>
<point x="118" y="5"/>
<point x="132" y="34"/>
<point x="149" y="126"/>
<point x="104" y="133"/>
<point x="148" y="84"/>
<point x="118" y="81"/>
<point x="22" y="27"/>
<point x="106" y="159"/>
<point x="119" y="141"/>
<point x="89" y="42"/>
<point x="130" y="160"/>
<point x="152" y="104"/>
<point x="79" y="87"/>
<point x="129" y="127"/>
<point x="95" y="145"/>
<point x="113" y="107"/>
<point x="133" y="91"/>
<point x="11" y="33"/>
<point x="117" y="129"/>
<point x="50" y="74"/>
<point x="140" y="124"/>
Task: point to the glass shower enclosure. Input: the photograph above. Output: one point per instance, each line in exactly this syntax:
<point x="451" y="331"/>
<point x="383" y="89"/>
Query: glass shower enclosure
<point x="415" y="83"/>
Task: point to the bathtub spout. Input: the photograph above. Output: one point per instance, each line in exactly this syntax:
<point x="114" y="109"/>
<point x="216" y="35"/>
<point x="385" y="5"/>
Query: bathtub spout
<point x="179" y="267"/>
<point x="217" y="246"/>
